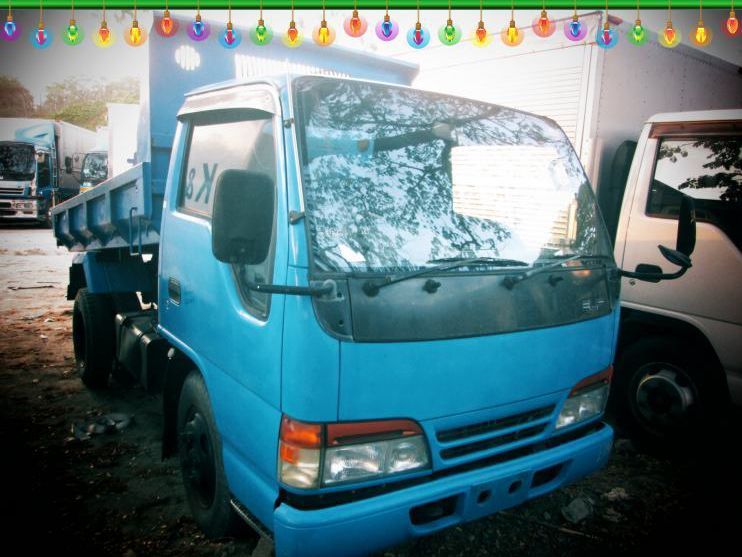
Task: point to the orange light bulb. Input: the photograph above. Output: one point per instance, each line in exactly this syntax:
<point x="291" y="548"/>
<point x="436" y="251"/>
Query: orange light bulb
<point x="732" y="23"/>
<point x="669" y="33"/>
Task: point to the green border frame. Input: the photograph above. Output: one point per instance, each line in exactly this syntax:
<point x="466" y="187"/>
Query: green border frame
<point x="373" y="4"/>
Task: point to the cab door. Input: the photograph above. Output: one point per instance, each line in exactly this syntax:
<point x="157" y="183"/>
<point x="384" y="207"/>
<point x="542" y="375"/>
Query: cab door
<point x="231" y="333"/>
<point x="702" y="161"/>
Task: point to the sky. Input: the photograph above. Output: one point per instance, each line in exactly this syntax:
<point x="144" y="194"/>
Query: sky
<point x="37" y="69"/>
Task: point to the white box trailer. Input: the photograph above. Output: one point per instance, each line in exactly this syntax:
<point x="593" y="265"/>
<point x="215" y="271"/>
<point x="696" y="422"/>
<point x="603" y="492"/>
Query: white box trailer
<point x="600" y="98"/>
<point x="121" y="137"/>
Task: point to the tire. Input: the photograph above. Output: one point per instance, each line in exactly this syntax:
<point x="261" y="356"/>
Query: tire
<point x="663" y="392"/>
<point x="202" y="468"/>
<point x="93" y="338"/>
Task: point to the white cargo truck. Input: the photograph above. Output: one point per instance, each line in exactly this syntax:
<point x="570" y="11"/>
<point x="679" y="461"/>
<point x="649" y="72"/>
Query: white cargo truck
<point x="679" y="360"/>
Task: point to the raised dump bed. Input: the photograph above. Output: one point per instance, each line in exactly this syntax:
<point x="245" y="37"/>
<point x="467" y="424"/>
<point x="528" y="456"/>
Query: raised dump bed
<point x="123" y="212"/>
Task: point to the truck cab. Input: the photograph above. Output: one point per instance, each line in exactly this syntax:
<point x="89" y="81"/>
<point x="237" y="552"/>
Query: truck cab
<point x="363" y="327"/>
<point x="26" y="180"/>
<point x="679" y="361"/>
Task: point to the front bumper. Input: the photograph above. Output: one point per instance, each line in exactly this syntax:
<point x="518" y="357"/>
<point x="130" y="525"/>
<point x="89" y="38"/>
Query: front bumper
<point x="370" y="525"/>
<point x="23" y="209"/>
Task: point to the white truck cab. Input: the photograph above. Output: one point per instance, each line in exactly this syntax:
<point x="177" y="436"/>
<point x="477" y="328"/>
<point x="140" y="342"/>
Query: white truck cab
<point x="680" y="349"/>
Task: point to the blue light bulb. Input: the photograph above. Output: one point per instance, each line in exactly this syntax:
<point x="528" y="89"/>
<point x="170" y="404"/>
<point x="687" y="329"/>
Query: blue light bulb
<point x="575" y="27"/>
<point x="10" y="28"/>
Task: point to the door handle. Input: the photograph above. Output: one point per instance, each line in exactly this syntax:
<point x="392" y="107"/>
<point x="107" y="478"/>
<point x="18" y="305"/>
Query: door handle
<point x="173" y="290"/>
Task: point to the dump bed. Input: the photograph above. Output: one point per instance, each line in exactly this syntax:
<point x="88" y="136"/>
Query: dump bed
<point x="123" y="212"/>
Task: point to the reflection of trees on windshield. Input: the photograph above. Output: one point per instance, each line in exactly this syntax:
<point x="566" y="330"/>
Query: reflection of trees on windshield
<point x="95" y="167"/>
<point x="723" y="157"/>
<point x="378" y="179"/>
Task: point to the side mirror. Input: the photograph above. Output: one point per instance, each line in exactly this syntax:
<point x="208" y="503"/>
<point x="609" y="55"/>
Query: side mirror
<point x="68" y="165"/>
<point x="242" y="217"/>
<point x="686" y="239"/>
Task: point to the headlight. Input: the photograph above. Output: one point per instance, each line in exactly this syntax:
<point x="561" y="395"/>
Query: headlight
<point x="586" y="400"/>
<point x="349" y="452"/>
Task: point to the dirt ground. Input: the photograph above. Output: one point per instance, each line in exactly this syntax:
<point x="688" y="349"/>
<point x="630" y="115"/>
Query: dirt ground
<point x="112" y="494"/>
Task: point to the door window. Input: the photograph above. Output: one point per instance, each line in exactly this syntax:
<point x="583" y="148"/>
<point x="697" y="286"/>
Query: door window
<point x="708" y="169"/>
<point x="220" y="142"/>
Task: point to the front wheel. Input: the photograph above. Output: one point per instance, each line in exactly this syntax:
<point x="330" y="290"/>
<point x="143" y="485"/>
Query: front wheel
<point x="199" y="448"/>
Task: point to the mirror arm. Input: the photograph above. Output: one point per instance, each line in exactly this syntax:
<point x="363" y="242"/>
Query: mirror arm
<point x="653" y="277"/>
<point x="324" y="288"/>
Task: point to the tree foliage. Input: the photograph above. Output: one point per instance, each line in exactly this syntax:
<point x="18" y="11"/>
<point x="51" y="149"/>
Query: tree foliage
<point x="15" y="99"/>
<point x="85" y="105"/>
<point x="724" y="165"/>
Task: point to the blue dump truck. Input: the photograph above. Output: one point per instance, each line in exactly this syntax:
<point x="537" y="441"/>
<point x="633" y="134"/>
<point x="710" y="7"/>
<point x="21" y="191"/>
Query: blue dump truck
<point x="373" y="312"/>
<point x="37" y="162"/>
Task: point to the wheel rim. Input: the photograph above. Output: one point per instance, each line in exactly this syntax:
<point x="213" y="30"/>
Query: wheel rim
<point x="665" y="397"/>
<point x="198" y="458"/>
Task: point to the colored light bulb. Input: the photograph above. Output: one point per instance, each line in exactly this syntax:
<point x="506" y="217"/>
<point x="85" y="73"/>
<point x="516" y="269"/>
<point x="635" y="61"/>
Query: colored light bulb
<point x="261" y="31"/>
<point x="104" y="33"/>
<point x="10" y="27"/>
<point x="669" y="33"/>
<point x="701" y="35"/>
<point x="418" y="36"/>
<point x="450" y="31"/>
<point x="292" y="33"/>
<point x="40" y="35"/>
<point x="324" y="33"/>
<point x="606" y="36"/>
<point x="732" y="23"/>
<point x="355" y="22"/>
<point x="512" y="33"/>
<point x="198" y="26"/>
<point x="575" y="26"/>
<point x="543" y="22"/>
<point x="166" y="23"/>
<point x="229" y="37"/>
<point x="72" y="31"/>
<point x="481" y="32"/>
<point x="638" y="31"/>
<point x="386" y="27"/>
<point x="135" y="33"/>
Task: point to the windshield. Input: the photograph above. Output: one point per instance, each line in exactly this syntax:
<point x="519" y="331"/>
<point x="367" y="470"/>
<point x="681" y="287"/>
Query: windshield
<point x="398" y="179"/>
<point x="95" y="167"/>
<point x="17" y="161"/>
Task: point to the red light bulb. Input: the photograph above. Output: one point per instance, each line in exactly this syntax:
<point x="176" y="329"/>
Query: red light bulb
<point x="732" y="23"/>
<point x="669" y="33"/>
<point x="166" y="23"/>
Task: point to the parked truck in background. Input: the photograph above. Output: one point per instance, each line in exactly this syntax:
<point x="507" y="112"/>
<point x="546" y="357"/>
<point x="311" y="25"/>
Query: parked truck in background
<point x="37" y="164"/>
<point x="679" y="359"/>
<point x="361" y="329"/>
<point x="116" y="146"/>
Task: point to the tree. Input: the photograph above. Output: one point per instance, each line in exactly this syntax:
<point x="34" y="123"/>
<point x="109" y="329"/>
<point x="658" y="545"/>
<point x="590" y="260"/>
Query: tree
<point x="15" y="99"/>
<point x="86" y="106"/>
<point x="723" y="158"/>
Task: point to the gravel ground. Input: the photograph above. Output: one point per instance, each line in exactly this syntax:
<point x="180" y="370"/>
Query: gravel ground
<point x="112" y="494"/>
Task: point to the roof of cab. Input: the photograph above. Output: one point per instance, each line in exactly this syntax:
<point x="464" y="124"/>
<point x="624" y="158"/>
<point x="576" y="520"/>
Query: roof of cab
<point x="696" y="116"/>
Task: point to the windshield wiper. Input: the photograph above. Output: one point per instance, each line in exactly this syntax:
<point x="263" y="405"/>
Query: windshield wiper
<point x="372" y="287"/>
<point x="510" y="281"/>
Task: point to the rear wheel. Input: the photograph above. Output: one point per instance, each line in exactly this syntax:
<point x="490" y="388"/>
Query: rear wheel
<point x="199" y="448"/>
<point x="93" y="337"/>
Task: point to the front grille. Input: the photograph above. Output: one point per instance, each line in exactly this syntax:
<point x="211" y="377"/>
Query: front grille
<point x="494" y="425"/>
<point x="490" y="434"/>
<point x="493" y="442"/>
<point x="11" y="191"/>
